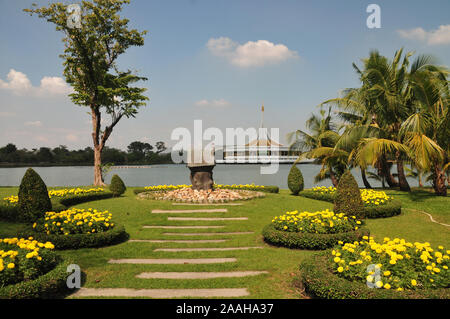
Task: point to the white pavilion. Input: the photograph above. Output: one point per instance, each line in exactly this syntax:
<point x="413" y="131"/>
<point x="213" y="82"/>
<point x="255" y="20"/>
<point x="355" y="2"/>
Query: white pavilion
<point x="261" y="150"/>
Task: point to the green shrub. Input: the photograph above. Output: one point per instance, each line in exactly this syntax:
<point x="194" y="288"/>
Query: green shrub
<point x="113" y="236"/>
<point x="310" y="240"/>
<point x="49" y="285"/>
<point x="348" y="197"/>
<point x="117" y="186"/>
<point x="318" y="279"/>
<point x="392" y="208"/>
<point x="295" y="180"/>
<point x="33" y="197"/>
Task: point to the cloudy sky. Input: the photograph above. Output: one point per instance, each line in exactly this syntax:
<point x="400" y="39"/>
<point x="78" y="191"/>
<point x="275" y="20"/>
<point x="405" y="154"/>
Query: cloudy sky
<point x="212" y="60"/>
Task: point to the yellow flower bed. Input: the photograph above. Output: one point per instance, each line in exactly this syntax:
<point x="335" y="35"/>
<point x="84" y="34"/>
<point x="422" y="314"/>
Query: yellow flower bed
<point x="74" y="221"/>
<point x="392" y="264"/>
<point x="73" y="191"/>
<point x="369" y="197"/>
<point x="165" y="187"/>
<point x="12" y="200"/>
<point x="21" y="259"/>
<point x="321" y="222"/>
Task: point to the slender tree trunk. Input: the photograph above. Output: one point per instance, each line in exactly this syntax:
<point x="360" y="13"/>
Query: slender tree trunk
<point x="387" y="173"/>
<point x="98" y="146"/>
<point x="440" y="188"/>
<point x="98" y="177"/>
<point x="403" y="183"/>
<point x="333" y="178"/>
<point x="420" y="179"/>
<point x="364" y="178"/>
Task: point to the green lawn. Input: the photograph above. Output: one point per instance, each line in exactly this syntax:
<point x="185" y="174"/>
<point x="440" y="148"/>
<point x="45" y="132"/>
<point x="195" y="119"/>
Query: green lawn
<point x="281" y="263"/>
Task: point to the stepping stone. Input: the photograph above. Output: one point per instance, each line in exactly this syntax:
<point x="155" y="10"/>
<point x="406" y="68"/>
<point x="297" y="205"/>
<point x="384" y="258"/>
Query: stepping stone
<point x="205" y="249"/>
<point x="161" y="293"/>
<point x="188" y="211"/>
<point x="196" y="241"/>
<point x="207" y="234"/>
<point x="181" y="227"/>
<point x="198" y="275"/>
<point x="181" y="261"/>
<point x="206" y="204"/>
<point x="207" y="219"/>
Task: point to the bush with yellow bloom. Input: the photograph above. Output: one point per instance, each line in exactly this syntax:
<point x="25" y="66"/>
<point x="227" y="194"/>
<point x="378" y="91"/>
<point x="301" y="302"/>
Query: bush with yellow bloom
<point x="74" y="221"/>
<point x="396" y="264"/>
<point x="320" y="222"/>
<point x="24" y="259"/>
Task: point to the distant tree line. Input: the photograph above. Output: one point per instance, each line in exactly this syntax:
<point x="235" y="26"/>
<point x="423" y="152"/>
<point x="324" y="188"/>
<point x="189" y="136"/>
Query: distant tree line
<point x="137" y="153"/>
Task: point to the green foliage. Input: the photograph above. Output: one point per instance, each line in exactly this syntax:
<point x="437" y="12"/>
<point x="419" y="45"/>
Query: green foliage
<point x="391" y="208"/>
<point x="348" y="197"/>
<point x="319" y="281"/>
<point x="113" y="236"/>
<point x="49" y="285"/>
<point x="33" y="197"/>
<point x="117" y="186"/>
<point x="295" y="180"/>
<point x="310" y="240"/>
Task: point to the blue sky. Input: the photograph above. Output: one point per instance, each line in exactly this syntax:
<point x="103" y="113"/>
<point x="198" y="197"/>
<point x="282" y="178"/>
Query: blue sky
<point x="212" y="60"/>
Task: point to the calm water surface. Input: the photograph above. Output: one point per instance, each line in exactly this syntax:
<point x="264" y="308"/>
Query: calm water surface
<point x="170" y="174"/>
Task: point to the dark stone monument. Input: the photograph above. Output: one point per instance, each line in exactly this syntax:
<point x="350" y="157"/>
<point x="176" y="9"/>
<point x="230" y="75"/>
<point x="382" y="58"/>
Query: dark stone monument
<point x="201" y="164"/>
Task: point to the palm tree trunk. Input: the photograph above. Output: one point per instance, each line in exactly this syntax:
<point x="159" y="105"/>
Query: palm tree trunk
<point x="333" y="178"/>
<point x="387" y="173"/>
<point x="403" y="183"/>
<point x="440" y="188"/>
<point x="364" y="178"/>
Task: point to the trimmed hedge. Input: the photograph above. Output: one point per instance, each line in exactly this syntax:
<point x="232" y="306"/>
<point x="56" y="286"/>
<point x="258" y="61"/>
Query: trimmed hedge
<point x="295" y="180"/>
<point x="266" y="189"/>
<point x="348" y="197"/>
<point x="319" y="280"/>
<point x="10" y="213"/>
<point x="308" y="240"/>
<point x="391" y="208"/>
<point x="113" y="236"/>
<point x="117" y="186"/>
<point x="50" y="285"/>
<point x="33" y="197"/>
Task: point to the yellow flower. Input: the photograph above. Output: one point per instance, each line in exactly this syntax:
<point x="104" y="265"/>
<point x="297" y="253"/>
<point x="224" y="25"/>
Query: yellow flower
<point x="387" y="286"/>
<point x="340" y="269"/>
<point x="11" y="265"/>
<point x="413" y="282"/>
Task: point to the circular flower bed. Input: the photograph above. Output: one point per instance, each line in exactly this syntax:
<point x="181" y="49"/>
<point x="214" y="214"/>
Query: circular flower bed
<point x="318" y="230"/>
<point x="75" y="228"/>
<point x="188" y="195"/>
<point x="377" y="204"/>
<point x="29" y="269"/>
<point x="391" y="269"/>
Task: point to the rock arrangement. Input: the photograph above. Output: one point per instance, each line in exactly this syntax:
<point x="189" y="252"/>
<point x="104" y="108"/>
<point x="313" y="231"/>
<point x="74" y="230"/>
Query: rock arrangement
<point x="189" y="195"/>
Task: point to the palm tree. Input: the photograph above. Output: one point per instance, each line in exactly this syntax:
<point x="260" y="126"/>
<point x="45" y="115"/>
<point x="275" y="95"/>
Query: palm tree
<point x="319" y="144"/>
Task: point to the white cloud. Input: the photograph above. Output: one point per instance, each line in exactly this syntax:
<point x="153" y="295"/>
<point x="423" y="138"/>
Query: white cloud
<point x="433" y="37"/>
<point x="212" y="103"/>
<point x="7" y="114"/>
<point x="33" y="123"/>
<point x="19" y="84"/>
<point x="250" y="54"/>
<point x="72" y="138"/>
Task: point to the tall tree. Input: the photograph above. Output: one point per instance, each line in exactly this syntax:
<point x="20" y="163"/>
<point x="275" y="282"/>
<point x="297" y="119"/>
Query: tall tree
<point x="92" y="47"/>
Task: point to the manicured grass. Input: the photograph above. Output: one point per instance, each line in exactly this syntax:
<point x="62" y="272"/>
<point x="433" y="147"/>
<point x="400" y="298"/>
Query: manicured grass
<point x="281" y="263"/>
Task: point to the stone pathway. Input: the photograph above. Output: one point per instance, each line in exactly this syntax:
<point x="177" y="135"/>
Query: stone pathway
<point x="188" y="211"/>
<point x="161" y="293"/>
<point x="206" y="218"/>
<point x="196" y="238"/>
<point x="198" y="275"/>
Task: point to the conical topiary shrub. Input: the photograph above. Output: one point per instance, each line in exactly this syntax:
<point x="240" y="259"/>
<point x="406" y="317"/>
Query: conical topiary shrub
<point x="295" y="180"/>
<point x="117" y="186"/>
<point x="348" y="197"/>
<point x="33" y="197"/>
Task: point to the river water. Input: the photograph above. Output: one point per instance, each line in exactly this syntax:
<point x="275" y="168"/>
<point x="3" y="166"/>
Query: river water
<point x="171" y="174"/>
